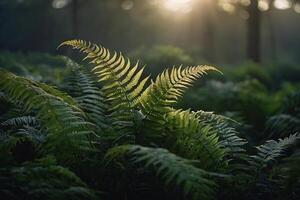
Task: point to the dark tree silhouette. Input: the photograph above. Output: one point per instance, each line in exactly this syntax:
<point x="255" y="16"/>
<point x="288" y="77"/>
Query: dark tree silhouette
<point x="253" y="31"/>
<point x="254" y="27"/>
<point x="75" y="18"/>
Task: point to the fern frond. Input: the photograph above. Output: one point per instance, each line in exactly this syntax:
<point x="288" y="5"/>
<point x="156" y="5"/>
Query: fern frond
<point x="42" y="179"/>
<point x="67" y="130"/>
<point x="86" y="91"/>
<point x="115" y="71"/>
<point x="281" y="125"/>
<point x="27" y="138"/>
<point x="20" y="121"/>
<point x="272" y="150"/>
<point x="59" y="94"/>
<point x="122" y="83"/>
<point x="291" y="174"/>
<point x="228" y="136"/>
<point x="33" y="134"/>
<point x="173" y="170"/>
<point x="194" y="140"/>
<point x="167" y="88"/>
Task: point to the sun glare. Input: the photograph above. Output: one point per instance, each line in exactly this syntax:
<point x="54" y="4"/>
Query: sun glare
<point x="178" y="5"/>
<point x="60" y="3"/>
<point x="263" y="5"/>
<point x="228" y="6"/>
<point x="282" y="4"/>
<point x="297" y="8"/>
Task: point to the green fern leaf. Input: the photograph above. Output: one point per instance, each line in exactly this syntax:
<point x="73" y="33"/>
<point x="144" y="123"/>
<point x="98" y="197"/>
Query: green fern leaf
<point x="173" y="170"/>
<point x="122" y="83"/>
<point x="83" y="87"/>
<point x="194" y="139"/>
<point x="167" y="88"/>
<point x="20" y="121"/>
<point x="67" y="130"/>
<point x="272" y="150"/>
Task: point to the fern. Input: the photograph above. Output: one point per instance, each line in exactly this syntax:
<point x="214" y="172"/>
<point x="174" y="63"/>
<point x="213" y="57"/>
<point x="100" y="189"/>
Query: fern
<point x="122" y="84"/>
<point x="20" y="121"/>
<point x="167" y="88"/>
<point x="114" y="71"/>
<point x="29" y="137"/>
<point x="281" y="125"/>
<point x="42" y="179"/>
<point x="129" y="140"/>
<point x="225" y="129"/>
<point x="174" y="171"/>
<point x="194" y="140"/>
<point x="272" y="150"/>
<point x="57" y="93"/>
<point x="33" y="134"/>
<point x="67" y="130"/>
<point x="83" y="87"/>
<point x="291" y="175"/>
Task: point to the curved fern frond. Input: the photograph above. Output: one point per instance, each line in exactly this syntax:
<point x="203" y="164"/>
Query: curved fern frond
<point x="120" y="79"/>
<point x="167" y="88"/>
<point x="86" y="91"/>
<point x="12" y="140"/>
<point x="20" y="121"/>
<point x="172" y="170"/>
<point x="194" y="139"/>
<point x="59" y="94"/>
<point x="272" y="150"/>
<point x="19" y="129"/>
<point x="228" y="136"/>
<point x="122" y="83"/>
<point x="67" y="130"/>
<point x="33" y="134"/>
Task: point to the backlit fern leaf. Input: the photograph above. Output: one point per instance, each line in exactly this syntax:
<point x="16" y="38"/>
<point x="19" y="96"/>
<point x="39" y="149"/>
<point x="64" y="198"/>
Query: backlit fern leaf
<point x="122" y="83"/>
<point x="194" y="139"/>
<point x="167" y="88"/>
<point x="228" y="136"/>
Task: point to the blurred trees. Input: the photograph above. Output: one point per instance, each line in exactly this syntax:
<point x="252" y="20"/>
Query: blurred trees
<point x="204" y="30"/>
<point x="75" y="18"/>
<point x="25" y="23"/>
<point x="253" y="12"/>
<point x="253" y="31"/>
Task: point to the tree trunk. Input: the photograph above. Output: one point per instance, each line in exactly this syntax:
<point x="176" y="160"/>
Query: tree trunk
<point x="272" y="38"/>
<point x="209" y="30"/>
<point x="253" y="34"/>
<point x="202" y="30"/>
<point x="209" y="39"/>
<point x="75" y="18"/>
